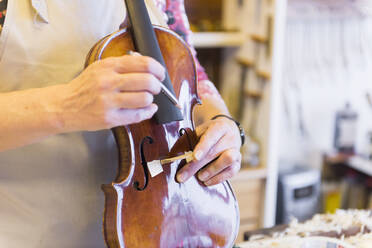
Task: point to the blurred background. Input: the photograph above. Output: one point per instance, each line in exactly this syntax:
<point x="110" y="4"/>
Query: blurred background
<point x="298" y="75"/>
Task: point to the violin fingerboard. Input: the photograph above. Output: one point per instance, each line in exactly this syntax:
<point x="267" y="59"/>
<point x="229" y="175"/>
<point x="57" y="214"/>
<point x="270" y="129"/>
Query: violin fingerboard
<point x="146" y="43"/>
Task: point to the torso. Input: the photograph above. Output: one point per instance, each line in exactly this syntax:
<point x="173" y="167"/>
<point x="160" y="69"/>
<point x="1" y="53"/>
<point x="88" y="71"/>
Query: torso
<point x="50" y="191"/>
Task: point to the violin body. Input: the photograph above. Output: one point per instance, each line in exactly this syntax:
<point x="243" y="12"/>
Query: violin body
<point x="144" y="211"/>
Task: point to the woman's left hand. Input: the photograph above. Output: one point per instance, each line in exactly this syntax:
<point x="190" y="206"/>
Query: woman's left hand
<point x="217" y="155"/>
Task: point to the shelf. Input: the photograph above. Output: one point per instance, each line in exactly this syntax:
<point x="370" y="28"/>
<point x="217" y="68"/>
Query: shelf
<point x="253" y="94"/>
<point x="245" y="62"/>
<point x="249" y="174"/>
<point x="361" y="164"/>
<point x="353" y="161"/>
<point x="264" y="74"/>
<point x="218" y="39"/>
<point x="259" y="38"/>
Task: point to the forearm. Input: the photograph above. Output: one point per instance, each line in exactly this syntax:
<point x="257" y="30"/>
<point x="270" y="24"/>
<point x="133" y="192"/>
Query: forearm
<point x="109" y="93"/>
<point x="210" y="107"/>
<point x="212" y="103"/>
<point x="28" y="116"/>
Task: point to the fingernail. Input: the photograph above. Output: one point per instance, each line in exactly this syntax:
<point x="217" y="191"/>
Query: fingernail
<point x="208" y="183"/>
<point x="182" y="177"/>
<point x="204" y="175"/>
<point x="155" y="107"/>
<point x="164" y="75"/>
<point x="198" y="155"/>
<point x="132" y="53"/>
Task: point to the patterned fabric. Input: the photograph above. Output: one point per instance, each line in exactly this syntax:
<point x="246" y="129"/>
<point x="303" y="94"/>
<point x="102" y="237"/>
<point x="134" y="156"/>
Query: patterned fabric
<point x="3" y="5"/>
<point x="174" y="12"/>
<point x="178" y="22"/>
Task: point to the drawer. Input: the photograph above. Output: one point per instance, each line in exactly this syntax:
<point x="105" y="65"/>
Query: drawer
<point x="245" y="227"/>
<point x="250" y="196"/>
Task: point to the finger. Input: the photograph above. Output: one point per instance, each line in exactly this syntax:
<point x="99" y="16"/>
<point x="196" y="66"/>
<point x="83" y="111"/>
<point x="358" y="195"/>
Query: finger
<point x="193" y="167"/>
<point x="144" y="64"/>
<point x="211" y="136"/>
<point x="223" y="144"/>
<point x="202" y="128"/>
<point x="138" y="82"/>
<point x="131" y="116"/>
<point x="225" y="160"/>
<point x="222" y="148"/>
<point x="133" y="100"/>
<point x="224" y="175"/>
<point x="189" y="170"/>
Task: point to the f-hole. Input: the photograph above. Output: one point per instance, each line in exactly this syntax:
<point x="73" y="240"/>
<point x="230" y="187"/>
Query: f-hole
<point x="182" y="132"/>
<point x="136" y="184"/>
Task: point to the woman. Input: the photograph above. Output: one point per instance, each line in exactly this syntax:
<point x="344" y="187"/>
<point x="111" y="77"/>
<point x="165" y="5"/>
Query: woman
<point x="50" y="167"/>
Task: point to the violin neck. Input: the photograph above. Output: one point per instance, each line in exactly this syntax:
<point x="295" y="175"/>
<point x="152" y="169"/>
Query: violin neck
<point x="146" y="44"/>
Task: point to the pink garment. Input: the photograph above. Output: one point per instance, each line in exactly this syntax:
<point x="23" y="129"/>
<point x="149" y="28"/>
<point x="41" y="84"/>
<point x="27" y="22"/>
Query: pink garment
<point x="178" y="22"/>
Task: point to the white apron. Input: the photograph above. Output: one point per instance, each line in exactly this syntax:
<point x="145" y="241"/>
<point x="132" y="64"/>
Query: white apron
<point x="50" y="194"/>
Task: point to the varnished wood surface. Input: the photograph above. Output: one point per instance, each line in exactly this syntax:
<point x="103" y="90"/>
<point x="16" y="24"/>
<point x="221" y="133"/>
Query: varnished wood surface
<point x="166" y="213"/>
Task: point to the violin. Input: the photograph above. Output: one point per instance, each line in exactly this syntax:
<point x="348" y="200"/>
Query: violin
<point x="145" y="206"/>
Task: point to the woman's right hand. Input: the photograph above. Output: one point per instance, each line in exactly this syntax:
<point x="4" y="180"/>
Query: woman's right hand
<point x="112" y="92"/>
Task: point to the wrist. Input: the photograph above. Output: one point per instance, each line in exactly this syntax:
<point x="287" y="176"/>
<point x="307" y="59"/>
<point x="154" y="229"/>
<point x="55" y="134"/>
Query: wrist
<point x="210" y="107"/>
<point x="57" y="109"/>
<point x="237" y="124"/>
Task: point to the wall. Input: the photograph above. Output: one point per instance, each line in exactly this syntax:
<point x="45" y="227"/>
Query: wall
<point x="327" y="62"/>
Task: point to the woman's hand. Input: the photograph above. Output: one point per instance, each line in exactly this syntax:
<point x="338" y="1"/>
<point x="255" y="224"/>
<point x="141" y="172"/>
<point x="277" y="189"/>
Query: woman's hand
<point x="217" y="155"/>
<point x="112" y="92"/>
